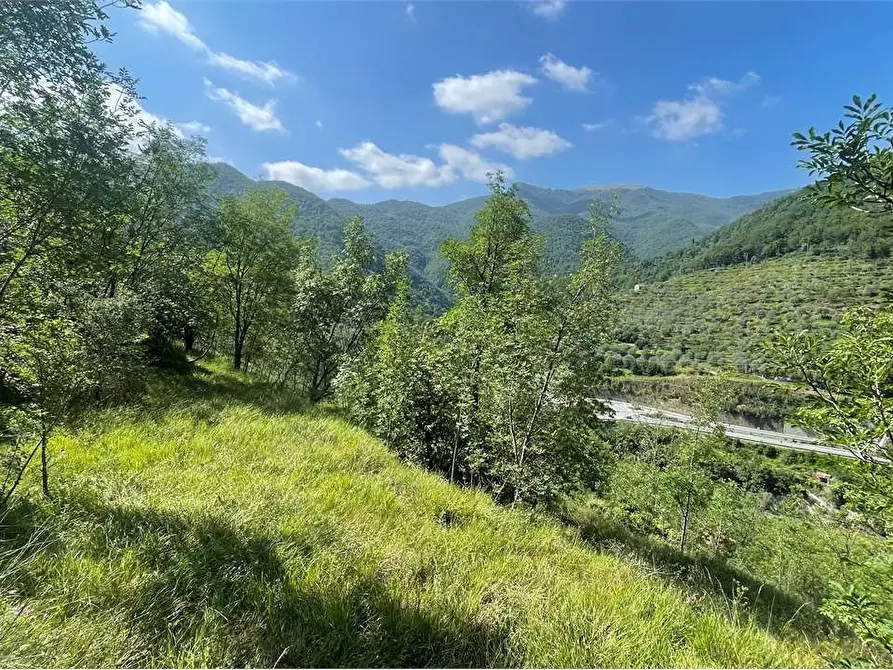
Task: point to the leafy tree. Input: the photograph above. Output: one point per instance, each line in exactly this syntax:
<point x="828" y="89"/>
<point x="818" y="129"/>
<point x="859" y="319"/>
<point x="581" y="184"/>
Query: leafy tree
<point x="850" y="375"/>
<point x="690" y="487"/>
<point x="854" y="160"/>
<point x="61" y="142"/>
<point x="44" y="358"/>
<point x="166" y="230"/>
<point x="334" y="308"/>
<point x="255" y="262"/>
<point x="496" y="393"/>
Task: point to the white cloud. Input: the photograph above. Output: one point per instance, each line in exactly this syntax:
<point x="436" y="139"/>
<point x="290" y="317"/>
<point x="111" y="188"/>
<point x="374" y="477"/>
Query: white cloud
<point x="714" y="86"/>
<point x="525" y="142"/>
<point x="396" y="171"/>
<point x="548" y="9"/>
<point x="194" y="128"/>
<point x="487" y="97"/>
<point x="220" y="159"/>
<point x="702" y="114"/>
<point x="572" y="78"/>
<point x="314" y="178"/>
<point x="591" y="127"/>
<point x="677" y="120"/>
<point x="161" y="17"/>
<point x="470" y="164"/>
<point x="317" y="123"/>
<point x="407" y="170"/>
<point x="410" y="11"/>
<point x="256" y="118"/>
<point x="268" y="73"/>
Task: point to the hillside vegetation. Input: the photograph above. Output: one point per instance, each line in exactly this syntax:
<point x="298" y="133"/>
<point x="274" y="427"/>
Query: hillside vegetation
<point x="216" y="524"/>
<point x="723" y="316"/>
<point x="794" y="224"/>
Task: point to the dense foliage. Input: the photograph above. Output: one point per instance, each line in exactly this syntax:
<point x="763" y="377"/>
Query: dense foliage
<point x="496" y="392"/>
<point x="102" y="229"/>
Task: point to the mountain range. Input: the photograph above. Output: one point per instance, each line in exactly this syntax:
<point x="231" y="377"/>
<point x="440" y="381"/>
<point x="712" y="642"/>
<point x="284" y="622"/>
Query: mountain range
<point x="651" y="221"/>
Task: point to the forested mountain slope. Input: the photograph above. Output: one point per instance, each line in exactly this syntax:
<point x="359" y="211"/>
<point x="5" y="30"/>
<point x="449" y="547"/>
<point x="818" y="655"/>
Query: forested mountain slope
<point x="791" y="224"/>
<point x="650" y="222"/>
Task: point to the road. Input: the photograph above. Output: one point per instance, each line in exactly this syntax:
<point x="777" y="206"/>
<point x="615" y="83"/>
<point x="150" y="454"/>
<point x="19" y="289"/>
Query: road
<point x="634" y="413"/>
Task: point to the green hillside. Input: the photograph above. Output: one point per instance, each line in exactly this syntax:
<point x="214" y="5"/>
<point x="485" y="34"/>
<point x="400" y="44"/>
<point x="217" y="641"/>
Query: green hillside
<point x="792" y="224"/>
<point x="650" y="221"/>
<point x="722" y="316"/>
<point x="217" y="524"/>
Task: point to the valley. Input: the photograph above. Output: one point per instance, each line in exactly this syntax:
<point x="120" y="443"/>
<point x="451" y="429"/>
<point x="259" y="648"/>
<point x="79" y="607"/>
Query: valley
<point x="306" y="420"/>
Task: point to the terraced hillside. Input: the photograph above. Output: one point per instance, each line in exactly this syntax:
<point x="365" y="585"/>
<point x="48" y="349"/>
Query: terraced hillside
<point x="722" y="316"/>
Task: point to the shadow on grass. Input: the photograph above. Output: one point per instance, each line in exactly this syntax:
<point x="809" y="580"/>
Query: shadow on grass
<point x="203" y="590"/>
<point x="218" y="389"/>
<point x="775" y="610"/>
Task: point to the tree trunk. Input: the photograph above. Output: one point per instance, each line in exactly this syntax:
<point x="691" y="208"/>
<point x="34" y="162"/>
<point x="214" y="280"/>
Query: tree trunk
<point x="685" y="516"/>
<point x="18" y="478"/>
<point x="188" y="339"/>
<point x="453" y="464"/>
<point x="237" y="348"/>
<point x="44" y="474"/>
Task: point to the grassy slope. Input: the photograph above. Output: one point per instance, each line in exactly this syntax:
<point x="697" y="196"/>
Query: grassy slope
<point x="213" y="527"/>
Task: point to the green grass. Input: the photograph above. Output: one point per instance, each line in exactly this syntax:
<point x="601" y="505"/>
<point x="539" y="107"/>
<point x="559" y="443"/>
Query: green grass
<point x="214" y="526"/>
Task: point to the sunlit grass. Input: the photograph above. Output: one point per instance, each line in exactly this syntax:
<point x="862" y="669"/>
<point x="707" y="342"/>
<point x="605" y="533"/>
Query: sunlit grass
<point x="213" y="526"/>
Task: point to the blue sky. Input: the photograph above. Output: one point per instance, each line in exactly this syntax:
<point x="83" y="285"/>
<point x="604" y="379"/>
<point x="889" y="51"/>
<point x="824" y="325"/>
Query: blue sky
<point x="417" y="100"/>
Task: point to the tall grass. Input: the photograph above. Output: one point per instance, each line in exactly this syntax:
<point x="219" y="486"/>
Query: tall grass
<point x="221" y="525"/>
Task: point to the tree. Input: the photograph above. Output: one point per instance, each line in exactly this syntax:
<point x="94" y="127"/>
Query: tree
<point x="254" y="264"/>
<point x="390" y="387"/>
<point x="690" y="487"/>
<point x="851" y="380"/>
<point x="854" y="160"/>
<point x="66" y="158"/>
<point x="335" y="307"/>
<point x="498" y="392"/>
<point x="850" y="375"/>
<point x="61" y="142"/>
<point x="44" y="358"/>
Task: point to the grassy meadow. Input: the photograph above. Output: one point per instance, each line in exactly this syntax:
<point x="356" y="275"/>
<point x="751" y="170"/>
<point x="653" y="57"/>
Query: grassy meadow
<point x="219" y="524"/>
